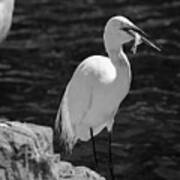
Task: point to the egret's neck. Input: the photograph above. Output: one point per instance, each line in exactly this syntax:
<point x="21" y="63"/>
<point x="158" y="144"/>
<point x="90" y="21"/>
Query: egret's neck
<point x="118" y="56"/>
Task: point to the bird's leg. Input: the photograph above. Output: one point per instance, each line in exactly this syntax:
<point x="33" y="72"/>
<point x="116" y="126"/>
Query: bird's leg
<point x="110" y="163"/>
<point x="94" y="148"/>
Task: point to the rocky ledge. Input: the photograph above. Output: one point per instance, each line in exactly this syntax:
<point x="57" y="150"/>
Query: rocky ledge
<point x="26" y="153"/>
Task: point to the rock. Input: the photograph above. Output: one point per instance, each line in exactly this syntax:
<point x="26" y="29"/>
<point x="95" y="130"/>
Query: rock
<point x="26" y="153"/>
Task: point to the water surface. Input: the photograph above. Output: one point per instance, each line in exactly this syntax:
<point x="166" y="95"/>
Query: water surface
<point x="47" y="41"/>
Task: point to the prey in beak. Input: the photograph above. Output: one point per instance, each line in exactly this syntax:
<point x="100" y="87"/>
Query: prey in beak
<point x="140" y="36"/>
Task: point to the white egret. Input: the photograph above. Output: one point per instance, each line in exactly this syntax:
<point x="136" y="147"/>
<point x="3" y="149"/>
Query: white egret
<point x="97" y="87"/>
<point x="6" y="12"/>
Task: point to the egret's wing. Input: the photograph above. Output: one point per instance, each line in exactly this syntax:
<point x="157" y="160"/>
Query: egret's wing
<point x="79" y="93"/>
<point x="73" y="108"/>
<point x="78" y="105"/>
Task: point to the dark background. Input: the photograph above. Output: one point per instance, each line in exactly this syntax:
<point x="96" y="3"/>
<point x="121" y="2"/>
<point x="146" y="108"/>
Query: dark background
<point x="47" y="41"/>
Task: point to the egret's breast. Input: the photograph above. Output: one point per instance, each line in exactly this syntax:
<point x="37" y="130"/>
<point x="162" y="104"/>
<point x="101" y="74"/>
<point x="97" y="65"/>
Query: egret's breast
<point x="107" y="74"/>
<point x="112" y="87"/>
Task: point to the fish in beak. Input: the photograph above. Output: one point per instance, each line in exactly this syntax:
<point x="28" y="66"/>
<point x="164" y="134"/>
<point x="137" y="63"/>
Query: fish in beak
<point x="139" y="37"/>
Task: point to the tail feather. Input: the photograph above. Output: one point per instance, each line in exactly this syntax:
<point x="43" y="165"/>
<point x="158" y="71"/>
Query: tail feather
<point x="64" y="133"/>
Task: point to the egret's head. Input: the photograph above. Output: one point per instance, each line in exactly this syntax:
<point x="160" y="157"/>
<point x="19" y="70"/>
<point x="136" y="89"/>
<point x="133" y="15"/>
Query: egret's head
<point x="119" y="30"/>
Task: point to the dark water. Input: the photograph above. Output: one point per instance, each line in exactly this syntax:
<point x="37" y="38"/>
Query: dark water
<point x="47" y="41"/>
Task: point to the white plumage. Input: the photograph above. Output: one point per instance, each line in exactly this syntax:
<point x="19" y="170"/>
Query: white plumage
<point x="94" y="94"/>
<point x="98" y="86"/>
<point x="6" y="12"/>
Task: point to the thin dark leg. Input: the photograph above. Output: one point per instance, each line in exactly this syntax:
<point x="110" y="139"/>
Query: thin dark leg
<point x="94" y="148"/>
<point x="110" y="159"/>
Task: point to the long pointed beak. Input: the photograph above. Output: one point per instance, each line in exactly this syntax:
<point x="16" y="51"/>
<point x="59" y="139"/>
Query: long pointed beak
<point x="146" y="39"/>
